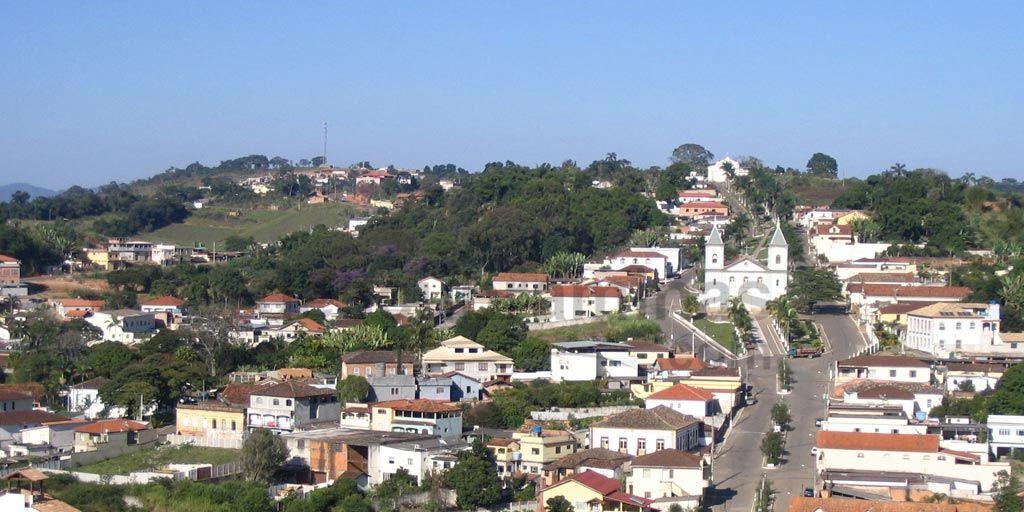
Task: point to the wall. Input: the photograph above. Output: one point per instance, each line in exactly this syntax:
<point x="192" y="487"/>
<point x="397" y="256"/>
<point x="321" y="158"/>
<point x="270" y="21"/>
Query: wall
<point x="540" y="326"/>
<point x="563" y="413"/>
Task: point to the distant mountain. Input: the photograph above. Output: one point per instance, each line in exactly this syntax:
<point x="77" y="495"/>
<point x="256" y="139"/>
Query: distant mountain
<point x="7" y="190"/>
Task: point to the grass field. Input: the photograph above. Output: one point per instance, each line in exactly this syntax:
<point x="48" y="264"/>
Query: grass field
<point x="592" y="331"/>
<point x="723" y="333"/>
<point x="212" y="224"/>
<point x="150" y="458"/>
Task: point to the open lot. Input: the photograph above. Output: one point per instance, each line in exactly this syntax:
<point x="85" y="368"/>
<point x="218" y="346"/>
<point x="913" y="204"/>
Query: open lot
<point x="723" y="333"/>
<point x="149" y="458"/>
<point x="214" y="224"/>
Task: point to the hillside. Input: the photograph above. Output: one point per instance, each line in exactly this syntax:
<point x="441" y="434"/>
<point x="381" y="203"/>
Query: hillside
<point x="7" y="190"/>
<point x="214" y="224"/>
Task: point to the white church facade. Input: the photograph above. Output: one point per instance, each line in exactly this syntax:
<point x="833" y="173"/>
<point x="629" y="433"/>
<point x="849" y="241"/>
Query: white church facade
<point x="756" y="283"/>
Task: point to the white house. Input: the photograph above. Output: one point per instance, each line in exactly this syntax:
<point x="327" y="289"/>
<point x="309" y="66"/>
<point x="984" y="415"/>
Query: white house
<point x="981" y="376"/>
<point x="431" y="287"/>
<point x="85" y="398"/>
<point x="521" y="282"/>
<point x="331" y="308"/>
<point x="1005" y="433"/>
<point x="669" y="477"/>
<point x="419" y="457"/>
<point x="965" y="329"/>
<point x="571" y="301"/>
<point x="717" y="171"/>
<point x="646" y="257"/>
<point x="891" y="419"/>
<point x="276" y="308"/>
<point x="290" y="404"/>
<point x="754" y="282"/>
<point x="419" y="416"/>
<point x="673" y="255"/>
<point x="127" y="326"/>
<point x="883" y="368"/>
<point x="916" y="400"/>
<point x="691" y="401"/>
<point x="641" y="431"/>
<point x="591" y="360"/>
<point x="463" y="355"/>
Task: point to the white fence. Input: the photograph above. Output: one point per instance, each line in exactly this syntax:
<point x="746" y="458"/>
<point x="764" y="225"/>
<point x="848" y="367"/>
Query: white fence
<point x="561" y="414"/>
<point x="540" y="326"/>
<point x="207" y="441"/>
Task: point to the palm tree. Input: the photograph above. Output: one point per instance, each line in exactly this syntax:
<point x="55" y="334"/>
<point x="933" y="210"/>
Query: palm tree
<point x="691" y="305"/>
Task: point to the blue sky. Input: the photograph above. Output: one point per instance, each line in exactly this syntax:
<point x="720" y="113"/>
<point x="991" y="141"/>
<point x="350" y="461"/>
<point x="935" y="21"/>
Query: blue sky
<point x="97" y="92"/>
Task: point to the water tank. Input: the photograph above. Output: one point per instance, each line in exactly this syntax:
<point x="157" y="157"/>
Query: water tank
<point x="920" y="415"/>
<point x="536" y="430"/>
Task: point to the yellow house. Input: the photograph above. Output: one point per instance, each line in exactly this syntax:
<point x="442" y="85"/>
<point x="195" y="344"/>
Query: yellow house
<point x="506" y="455"/>
<point x="98" y="258"/>
<point x="592" y="491"/>
<point x="539" y="446"/>
<point x="851" y="216"/>
<point x="210" y="420"/>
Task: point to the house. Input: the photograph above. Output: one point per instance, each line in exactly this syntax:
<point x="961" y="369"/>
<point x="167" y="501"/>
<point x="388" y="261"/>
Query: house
<point x="682" y="365"/>
<point x="973" y="376"/>
<point x="420" y="457"/>
<point x="431" y="287"/>
<point x="539" y="446"/>
<point x="15" y="401"/>
<point x="1005" y="433"/>
<point x="646" y="257"/>
<point x="572" y="301"/>
<point x="392" y="387"/>
<point x="84" y="398"/>
<point x="331" y="453"/>
<point x="168" y="310"/>
<point x="331" y="308"/>
<point x="647" y="353"/>
<point x="641" y="431"/>
<point x="916" y="399"/>
<point x="755" y="283"/>
<point x="694" y="195"/>
<point x="605" y="462"/>
<point x="434" y="387"/>
<point x="292" y="330"/>
<point x="963" y="329"/>
<point x="669" y="477"/>
<point x="883" y="368"/>
<point x="10" y="277"/>
<point x="506" y="455"/>
<point x="127" y="326"/>
<point x="290" y="404"/>
<point x="77" y="308"/>
<point x="277" y="307"/>
<point x="367" y="363"/>
<point x="893" y="278"/>
<point x="688" y="400"/>
<point x="417" y="416"/>
<point x="463" y="387"/>
<point x="890" y="463"/>
<point x="210" y="423"/>
<point x="45" y="440"/>
<point x="862" y="294"/>
<point x="13" y="422"/>
<point x="463" y="355"/>
<point x="594" y="492"/>
<point x="372" y="178"/>
<point x="698" y="209"/>
<point x="112" y="435"/>
<point x="885" y="419"/>
<point x="591" y="360"/>
<point x="521" y="282"/>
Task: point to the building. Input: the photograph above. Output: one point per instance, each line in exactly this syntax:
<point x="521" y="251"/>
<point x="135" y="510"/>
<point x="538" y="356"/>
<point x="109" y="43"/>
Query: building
<point x="883" y="368"/>
<point x="647" y="353"/>
<point x="463" y="355"/>
<point x="669" y="477"/>
<point x="210" y="422"/>
<point x="881" y="419"/>
<point x="868" y="294"/>
<point x="1005" y="433"/>
<point x="276" y="308"/>
<point x="539" y="446"/>
<point x="605" y="462"/>
<point x="594" y="492"/>
<point x="647" y="257"/>
<point x="15" y="401"/>
<point x="431" y="287"/>
<point x="890" y="463"/>
<point x="84" y="398"/>
<point x="335" y="452"/>
<point x="290" y="404"/>
<point x="419" y="457"/>
<point x="688" y="400"/>
<point x="10" y="277"/>
<point x="755" y="283"/>
<point x="392" y="387"/>
<point x="572" y="301"/>
<point x="962" y="329"/>
<point x="77" y="308"/>
<point x="127" y="326"/>
<point x="506" y="455"/>
<point x="973" y="376"/>
<point x="718" y="172"/>
<point x="916" y="399"/>
<point x="112" y="435"/>
<point x="167" y="310"/>
<point x="698" y="209"/>
<point x="591" y="360"/>
<point x="641" y="431"/>
<point x="12" y="423"/>
<point x="331" y="308"/>
<point x="694" y="195"/>
<point x="462" y="387"/>
<point x="369" y="363"/>
<point x="521" y="282"/>
<point x="419" y="416"/>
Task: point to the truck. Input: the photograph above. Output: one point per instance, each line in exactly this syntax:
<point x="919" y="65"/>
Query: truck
<point x="805" y="352"/>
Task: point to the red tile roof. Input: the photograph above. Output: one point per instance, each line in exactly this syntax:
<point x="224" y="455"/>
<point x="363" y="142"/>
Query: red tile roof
<point x="278" y="297"/>
<point x="579" y="290"/>
<point x="882" y="277"/>
<point x="310" y="324"/>
<point x="33" y="389"/>
<point x="804" y="504"/>
<point x="683" y="392"/>
<point x="596" y="481"/>
<point x="8" y="259"/>
<point x="926" y="443"/>
<point x="705" y="204"/>
<point x="117" y="425"/>
<point x="528" y="277"/>
<point x="897" y="291"/>
<point x="884" y="361"/>
<point x="81" y="303"/>
<point x="292" y="389"/>
<point x="323" y="303"/>
<point x="166" y="300"/>
<point x="419" y="405"/>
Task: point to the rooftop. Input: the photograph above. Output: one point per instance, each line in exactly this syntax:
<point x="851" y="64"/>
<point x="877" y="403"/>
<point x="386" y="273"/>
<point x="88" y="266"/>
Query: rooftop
<point x="166" y="300"/>
<point x="669" y="459"/>
<point x="682" y="391"/>
<point x="529" y="277"/>
<point x="926" y="443"/>
<point x="116" y="425"/>
<point x="658" y="418"/>
<point x="592" y="457"/>
<point x="804" y="504"/>
<point x="292" y="389"/>
<point x="679" y="363"/>
<point x="952" y="310"/>
<point x="579" y="290"/>
<point x="419" y="405"/>
<point x="278" y="297"/>
<point x="884" y="361"/>
<point x="372" y="357"/>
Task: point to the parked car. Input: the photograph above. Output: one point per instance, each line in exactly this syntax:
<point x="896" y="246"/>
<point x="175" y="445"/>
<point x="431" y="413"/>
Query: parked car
<point x="818" y="422"/>
<point x="808" y="492"/>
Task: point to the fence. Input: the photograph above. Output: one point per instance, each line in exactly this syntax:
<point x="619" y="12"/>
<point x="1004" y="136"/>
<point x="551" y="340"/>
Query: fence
<point x="207" y="441"/>
<point x="563" y="413"/>
<point x="540" y="326"/>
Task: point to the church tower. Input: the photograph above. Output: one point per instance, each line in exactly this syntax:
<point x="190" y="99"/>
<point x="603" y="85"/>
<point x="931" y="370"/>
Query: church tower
<point x="778" y="250"/>
<point x="714" y="251"/>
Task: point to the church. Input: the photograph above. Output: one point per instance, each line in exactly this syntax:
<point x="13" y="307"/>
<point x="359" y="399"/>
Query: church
<point x="754" y="282"/>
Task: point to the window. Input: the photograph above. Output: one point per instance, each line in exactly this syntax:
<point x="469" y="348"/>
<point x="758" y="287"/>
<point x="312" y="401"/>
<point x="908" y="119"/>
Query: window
<point x="659" y="444"/>
<point x="408" y="461"/>
<point x="460" y="367"/>
<point x="394" y="391"/>
<point x="1020" y="433"/>
<point x="860" y="455"/>
<point x="355" y="371"/>
<point x="958" y="326"/>
<point x="732" y="279"/>
<point x="1004" y="431"/>
<point x="647" y="473"/>
<point x="288" y="402"/>
<point x="234" y="425"/>
<point x="459" y="350"/>
<point x="892" y="373"/>
<point x="604" y="443"/>
<point x="913" y="373"/>
<point x="959" y="343"/>
<point x="482" y="367"/>
<point x="277" y="402"/>
<point x="641" y="445"/>
<point x="941" y="457"/>
<point x="301" y="443"/>
<point x="440" y="390"/>
<point x="622" y="444"/>
<point x="535" y="451"/>
<point x="778" y="259"/>
<point x="558" y="449"/>
<point x="369" y="372"/>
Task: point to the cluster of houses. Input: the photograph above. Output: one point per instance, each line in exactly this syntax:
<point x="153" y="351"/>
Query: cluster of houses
<point x="879" y="440"/>
<point x="120" y="253"/>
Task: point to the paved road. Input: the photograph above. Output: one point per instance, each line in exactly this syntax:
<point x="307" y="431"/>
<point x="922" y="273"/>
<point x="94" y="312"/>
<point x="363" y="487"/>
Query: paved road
<point x="737" y="466"/>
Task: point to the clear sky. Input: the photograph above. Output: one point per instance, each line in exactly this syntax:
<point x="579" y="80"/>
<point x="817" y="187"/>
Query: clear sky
<point x="94" y="92"/>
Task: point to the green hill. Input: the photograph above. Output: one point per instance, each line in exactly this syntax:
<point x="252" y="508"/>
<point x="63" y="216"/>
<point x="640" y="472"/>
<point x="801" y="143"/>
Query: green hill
<point x="214" y="224"/>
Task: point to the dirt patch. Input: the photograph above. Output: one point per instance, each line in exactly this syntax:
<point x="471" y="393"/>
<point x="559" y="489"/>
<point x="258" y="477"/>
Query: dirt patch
<point x="61" y="286"/>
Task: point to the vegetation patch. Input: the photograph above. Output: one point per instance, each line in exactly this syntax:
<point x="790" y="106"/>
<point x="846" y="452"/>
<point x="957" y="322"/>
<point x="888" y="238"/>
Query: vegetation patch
<point x="150" y="458"/>
<point x="724" y="333"/>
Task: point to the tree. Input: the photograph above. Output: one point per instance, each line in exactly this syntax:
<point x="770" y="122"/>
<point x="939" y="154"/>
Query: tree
<point x="811" y="285"/>
<point x="1006" y="493"/>
<point x="533" y="354"/>
<point x="262" y="453"/>
<point x="390" y="491"/>
<point x="559" y="504"/>
<point x="1008" y="398"/>
<point x="691" y="305"/>
<point x="353" y="388"/>
<point x="475" y="478"/>
<point x="108" y="358"/>
<point x="780" y="415"/>
<point x="693" y="155"/>
<point x="772" y="446"/>
<point x="823" y="164"/>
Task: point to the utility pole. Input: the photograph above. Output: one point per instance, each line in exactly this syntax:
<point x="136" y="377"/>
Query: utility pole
<point x="325" y="145"/>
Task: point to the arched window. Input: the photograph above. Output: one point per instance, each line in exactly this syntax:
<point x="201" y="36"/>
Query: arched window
<point x="714" y="258"/>
<point x="778" y="259"/>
